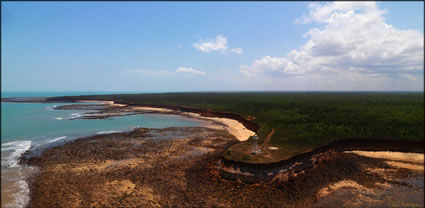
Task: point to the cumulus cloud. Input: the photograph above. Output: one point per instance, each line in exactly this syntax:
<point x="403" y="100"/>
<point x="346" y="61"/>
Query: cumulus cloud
<point x="217" y="44"/>
<point x="189" y="71"/>
<point x="271" y="64"/>
<point x="321" y="12"/>
<point x="354" y="39"/>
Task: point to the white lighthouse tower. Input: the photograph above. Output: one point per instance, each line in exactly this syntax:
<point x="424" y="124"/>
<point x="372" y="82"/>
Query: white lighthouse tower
<point x="255" y="149"/>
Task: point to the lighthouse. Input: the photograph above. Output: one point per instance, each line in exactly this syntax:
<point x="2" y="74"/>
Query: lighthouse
<point x="255" y="149"/>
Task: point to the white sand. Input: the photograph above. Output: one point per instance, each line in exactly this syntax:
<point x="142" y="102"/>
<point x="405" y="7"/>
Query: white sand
<point x="399" y="156"/>
<point x="234" y="127"/>
<point x="412" y="161"/>
<point x="162" y="110"/>
<point x="419" y="167"/>
<point x="119" y="105"/>
<point x="107" y="102"/>
<point x="348" y="193"/>
<point x="96" y="101"/>
<point x="343" y="184"/>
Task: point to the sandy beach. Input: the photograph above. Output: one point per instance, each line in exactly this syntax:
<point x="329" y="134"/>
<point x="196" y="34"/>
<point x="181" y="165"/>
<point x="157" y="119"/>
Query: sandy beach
<point x="180" y="167"/>
<point x="235" y="128"/>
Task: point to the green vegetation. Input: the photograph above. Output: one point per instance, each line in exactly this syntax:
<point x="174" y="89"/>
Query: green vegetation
<point x="304" y="121"/>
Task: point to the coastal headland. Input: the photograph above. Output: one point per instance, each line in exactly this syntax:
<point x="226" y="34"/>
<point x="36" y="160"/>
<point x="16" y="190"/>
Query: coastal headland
<point x="178" y="167"/>
<point x="139" y="168"/>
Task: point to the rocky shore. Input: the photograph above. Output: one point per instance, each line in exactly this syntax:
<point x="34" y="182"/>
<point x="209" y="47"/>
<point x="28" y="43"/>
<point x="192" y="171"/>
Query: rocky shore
<point x="184" y="167"/>
<point x="239" y="127"/>
<point x="178" y="167"/>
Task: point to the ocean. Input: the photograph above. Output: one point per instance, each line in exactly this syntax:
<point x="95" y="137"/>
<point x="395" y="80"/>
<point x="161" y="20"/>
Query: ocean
<point x="37" y="125"/>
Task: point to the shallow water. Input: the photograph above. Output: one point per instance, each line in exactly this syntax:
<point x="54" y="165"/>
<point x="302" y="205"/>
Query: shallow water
<point x="38" y="125"/>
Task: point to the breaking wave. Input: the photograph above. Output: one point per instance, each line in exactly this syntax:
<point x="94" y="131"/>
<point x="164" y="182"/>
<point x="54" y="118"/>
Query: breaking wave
<point x="56" y="139"/>
<point x="108" y="132"/>
<point x="17" y="148"/>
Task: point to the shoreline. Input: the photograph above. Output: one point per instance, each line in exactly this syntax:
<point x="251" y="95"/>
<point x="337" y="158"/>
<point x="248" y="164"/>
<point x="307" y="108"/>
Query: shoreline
<point x="147" y="167"/>
<point x="140" y="146"/>
<point x="203" y="112"/>
<point x="88" y="160"/>
<point x="160" y="167"/>
<point x="236" y="125"/>
<point x="233" y="126"/>
<point x="264" y="172"/>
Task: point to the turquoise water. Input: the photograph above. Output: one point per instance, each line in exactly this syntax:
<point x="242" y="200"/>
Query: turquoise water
<point x="38" y="122"/>
<point x="37" y="125"/>
<point x="5" y="94"/>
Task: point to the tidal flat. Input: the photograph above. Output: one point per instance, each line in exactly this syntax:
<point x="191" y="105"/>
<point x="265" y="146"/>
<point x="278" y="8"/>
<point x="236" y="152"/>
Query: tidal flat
<point x="150" y="168"/>
<point x="182" y="167"/>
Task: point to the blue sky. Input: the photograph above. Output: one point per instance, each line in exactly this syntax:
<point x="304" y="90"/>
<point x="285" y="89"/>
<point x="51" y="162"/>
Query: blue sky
<point x="204" y="46"/>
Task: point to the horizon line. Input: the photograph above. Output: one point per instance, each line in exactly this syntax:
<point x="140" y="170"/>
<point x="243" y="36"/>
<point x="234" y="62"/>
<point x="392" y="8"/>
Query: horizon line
<point x="162" y="91"/>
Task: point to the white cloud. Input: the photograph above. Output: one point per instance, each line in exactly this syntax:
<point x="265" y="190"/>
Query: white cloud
<point x="322" y="12"/>
<point x="189" y="71"/>
<point x="271" y="64"/>
<point x="217" y="44"/>
<point x="238" y="51"/>
<point x="163" y="73"/>
<point x="353" y="40"/>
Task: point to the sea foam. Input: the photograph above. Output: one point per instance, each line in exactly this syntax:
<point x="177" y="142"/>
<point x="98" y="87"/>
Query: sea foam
<point x="107" y="132"/>
<point x="56" y="139"/>
<point x="18" y="148"/>
<point x="22" y="197"/>
<point x="12" y="161"/>
<point x="51" y="107"/>
<point x="75" y="115"/>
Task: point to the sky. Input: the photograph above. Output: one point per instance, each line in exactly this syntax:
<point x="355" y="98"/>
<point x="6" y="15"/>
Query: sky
<point x="212" y="46"/>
